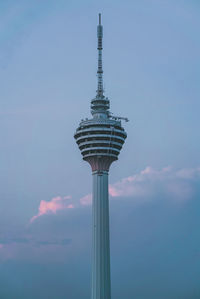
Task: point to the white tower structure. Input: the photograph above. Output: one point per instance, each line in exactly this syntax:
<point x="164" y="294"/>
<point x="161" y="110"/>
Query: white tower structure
<point x="100" y="140"/>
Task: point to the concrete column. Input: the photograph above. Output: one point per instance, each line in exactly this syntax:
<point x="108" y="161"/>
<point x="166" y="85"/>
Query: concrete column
<point x="101" y="288"/>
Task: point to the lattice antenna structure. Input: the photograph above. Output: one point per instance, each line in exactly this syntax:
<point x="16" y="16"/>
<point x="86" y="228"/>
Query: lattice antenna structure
<point x="100" y="66"/>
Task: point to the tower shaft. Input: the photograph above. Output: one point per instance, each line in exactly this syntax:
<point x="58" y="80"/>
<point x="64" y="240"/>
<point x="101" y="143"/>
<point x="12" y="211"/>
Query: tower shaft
<point x="101" y="241"/>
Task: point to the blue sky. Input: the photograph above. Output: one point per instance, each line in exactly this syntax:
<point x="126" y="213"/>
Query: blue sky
<point x="151" y="63"/>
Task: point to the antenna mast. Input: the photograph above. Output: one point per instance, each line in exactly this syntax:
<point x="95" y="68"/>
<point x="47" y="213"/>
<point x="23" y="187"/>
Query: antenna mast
<point x="100" y="69"/>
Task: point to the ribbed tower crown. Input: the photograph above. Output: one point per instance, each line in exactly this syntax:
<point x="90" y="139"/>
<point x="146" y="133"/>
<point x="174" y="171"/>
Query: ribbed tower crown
<point x="100" y="139"/>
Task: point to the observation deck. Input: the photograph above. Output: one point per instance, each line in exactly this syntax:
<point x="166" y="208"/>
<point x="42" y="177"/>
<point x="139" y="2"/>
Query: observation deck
<point x="100" y="141"/>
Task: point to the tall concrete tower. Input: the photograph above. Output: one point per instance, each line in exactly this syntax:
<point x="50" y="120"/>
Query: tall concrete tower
<point x="100" y="140"/>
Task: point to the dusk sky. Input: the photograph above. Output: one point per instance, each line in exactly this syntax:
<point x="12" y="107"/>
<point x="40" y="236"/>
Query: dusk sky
<point x="48" y="62"/>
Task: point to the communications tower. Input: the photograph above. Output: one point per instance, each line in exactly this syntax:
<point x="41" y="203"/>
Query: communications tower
<point x="100" y="140"/>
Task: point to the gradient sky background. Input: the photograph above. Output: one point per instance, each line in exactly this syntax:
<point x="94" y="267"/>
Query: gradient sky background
<point x="48" y="62"/>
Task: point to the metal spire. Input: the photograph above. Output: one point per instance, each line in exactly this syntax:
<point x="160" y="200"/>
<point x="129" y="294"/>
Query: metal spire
<point x="100" y="104"/>
<point x="100" y="69"/>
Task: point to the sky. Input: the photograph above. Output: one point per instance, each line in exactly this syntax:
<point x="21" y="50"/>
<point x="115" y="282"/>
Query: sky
<point x="48" y="62"/>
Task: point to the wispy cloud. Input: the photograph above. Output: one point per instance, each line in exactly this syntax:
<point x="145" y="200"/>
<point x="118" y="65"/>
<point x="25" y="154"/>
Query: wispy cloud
<point x="147" y="183"/>
<point x="177" y="184"/>
<point x="188" y="173"/>
<point x="28" y="239"/>
<point x="52" y="206"/>
<point x="62" y="242"/>
<point x="86" y="200"/>
<point x="27" y="244"/>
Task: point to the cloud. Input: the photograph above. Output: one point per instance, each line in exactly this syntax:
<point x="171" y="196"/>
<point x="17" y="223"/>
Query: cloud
<point x="52" y="206"/>
<point x="27" y="240"/>
<point x="86" y="200"/>
<point x="188" y="173"/>
<point x="5" y="240"/>
<point x="40" y="245"/>
<point x="62" y="242"/>
<point x="141" y="187"/>
<point x="149" y="182"/>
<point x="176" y="184"/>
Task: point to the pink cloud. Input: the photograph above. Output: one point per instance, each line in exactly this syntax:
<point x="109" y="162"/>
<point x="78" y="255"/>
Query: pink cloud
<point x="175" y="184"/>
<point x="1" y="246"/>
<point x="142" y="186"/>
<point x="51" y="207"/>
